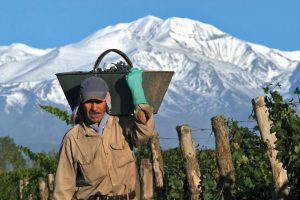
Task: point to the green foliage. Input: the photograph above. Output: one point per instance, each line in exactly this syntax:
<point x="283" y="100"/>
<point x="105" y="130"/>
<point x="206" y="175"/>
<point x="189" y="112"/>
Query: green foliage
<point x="47" y="162"/>
<point x="209" y="174"/>
<point x="13" y="166"/>
<point x="144" y="151"/>
<point x="11" y="162"/>
<point x="61" y="114"/>
<point x="10" y="157"/>
<point x="42" y="165"/>
<point x="286" y="124"/>
<point x="175" y="178"/>
<point x="253" y="172"/>
<point x="252" y="169"/>
<point x="9" y="182"/>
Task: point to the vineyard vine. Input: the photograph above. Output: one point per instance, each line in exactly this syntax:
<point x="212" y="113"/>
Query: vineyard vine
<point x="252" y="168"/>
<point x="286" y="125"/>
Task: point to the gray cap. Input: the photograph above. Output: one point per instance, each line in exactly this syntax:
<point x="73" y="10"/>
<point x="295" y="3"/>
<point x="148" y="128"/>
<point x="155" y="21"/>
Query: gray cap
<point x="93" y="88"/>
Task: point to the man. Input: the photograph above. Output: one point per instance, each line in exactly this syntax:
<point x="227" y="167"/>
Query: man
<point x="96" y="159"/>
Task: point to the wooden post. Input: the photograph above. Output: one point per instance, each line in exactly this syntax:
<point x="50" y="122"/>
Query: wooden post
<point x="51" y="185"/>
<point x="190" y="162"/>
<point x="43" y="189"/>
<point x="224" y="156"/>
<point x="146" y="179"/>
<point x="21" y="188"/>
<point x="22" y="184"/>
<point x="158" y="167"/>
<point x="280" y="180"/>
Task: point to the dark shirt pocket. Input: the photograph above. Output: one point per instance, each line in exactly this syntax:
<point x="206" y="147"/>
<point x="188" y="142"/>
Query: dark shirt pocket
<point x="122" y="154"/>
<point x="81" y="179"/>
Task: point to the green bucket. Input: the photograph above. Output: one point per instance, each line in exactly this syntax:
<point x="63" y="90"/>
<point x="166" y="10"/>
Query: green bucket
<point x="155" y="85"/>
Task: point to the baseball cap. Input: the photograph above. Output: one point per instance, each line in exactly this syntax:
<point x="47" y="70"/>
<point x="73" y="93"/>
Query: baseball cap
<point x="93" y="88"/>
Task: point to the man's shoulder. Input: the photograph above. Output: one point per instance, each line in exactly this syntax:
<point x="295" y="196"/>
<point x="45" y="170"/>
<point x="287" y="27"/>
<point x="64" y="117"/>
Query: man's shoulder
<point x="73" y="132"/>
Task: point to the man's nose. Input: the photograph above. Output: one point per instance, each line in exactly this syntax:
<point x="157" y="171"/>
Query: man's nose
<point x="94" y="106"/>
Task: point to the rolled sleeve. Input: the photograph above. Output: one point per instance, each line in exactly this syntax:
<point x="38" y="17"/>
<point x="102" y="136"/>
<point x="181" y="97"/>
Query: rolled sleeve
<point x="143" y="131"/>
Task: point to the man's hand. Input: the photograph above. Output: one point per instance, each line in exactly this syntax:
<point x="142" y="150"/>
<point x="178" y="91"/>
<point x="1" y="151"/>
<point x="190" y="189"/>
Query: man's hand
<point x="141" y="116"/>
<point x="134" y="81"/>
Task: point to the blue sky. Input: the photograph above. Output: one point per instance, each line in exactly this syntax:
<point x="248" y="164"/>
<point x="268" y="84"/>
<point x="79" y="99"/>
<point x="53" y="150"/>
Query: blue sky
<point x="53" y="23"/>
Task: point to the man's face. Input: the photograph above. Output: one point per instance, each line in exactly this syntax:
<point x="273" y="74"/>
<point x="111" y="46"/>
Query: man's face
<point x="94" y="110"/>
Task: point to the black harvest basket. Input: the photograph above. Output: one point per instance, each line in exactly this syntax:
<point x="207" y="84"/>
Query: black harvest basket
<point x="155" y="85"/>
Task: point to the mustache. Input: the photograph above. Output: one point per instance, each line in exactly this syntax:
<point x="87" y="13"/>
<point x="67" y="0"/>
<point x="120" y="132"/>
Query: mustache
<point x="94" y="112"/>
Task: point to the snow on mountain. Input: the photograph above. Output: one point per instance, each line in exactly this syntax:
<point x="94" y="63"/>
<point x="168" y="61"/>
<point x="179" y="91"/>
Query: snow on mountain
<point x="18" y="52"/>
<point x="215" y="74"/>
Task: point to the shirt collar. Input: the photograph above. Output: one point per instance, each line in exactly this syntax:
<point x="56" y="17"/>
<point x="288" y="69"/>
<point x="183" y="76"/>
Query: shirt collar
<point x="99" y="129"/>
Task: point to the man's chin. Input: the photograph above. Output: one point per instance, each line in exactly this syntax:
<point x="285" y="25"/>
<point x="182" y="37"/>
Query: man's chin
<point x="94" y="120"/>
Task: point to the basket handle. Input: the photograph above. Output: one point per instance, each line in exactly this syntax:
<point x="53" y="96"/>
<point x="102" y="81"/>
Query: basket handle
<point x="123" y="55"/>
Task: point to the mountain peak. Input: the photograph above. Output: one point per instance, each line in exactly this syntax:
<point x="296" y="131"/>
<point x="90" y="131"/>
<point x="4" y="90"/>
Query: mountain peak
<point x="215" y="73"/>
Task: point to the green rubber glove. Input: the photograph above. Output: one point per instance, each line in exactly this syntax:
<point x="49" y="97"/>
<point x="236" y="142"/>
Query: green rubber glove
<point x="134" y="81"/>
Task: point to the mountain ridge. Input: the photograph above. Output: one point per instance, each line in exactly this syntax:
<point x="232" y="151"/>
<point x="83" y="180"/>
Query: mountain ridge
<point x="215" y="73"/>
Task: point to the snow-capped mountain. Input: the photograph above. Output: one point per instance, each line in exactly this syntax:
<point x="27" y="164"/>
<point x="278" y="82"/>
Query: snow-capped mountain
<point x="215" y="74"/>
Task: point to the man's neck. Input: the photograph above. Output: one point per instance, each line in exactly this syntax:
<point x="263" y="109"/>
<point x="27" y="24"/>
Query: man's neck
<point x="98" y="127"/>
